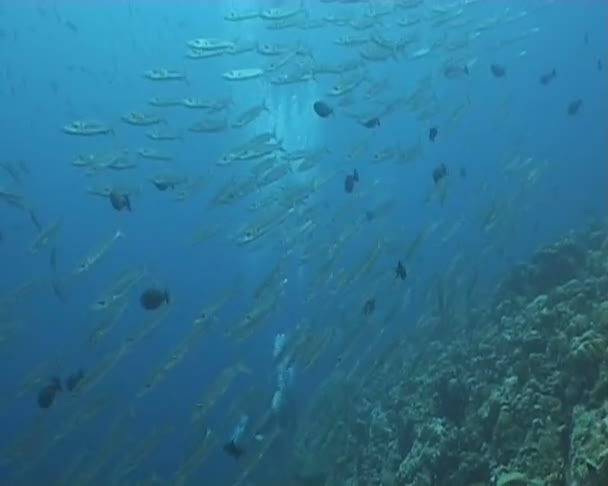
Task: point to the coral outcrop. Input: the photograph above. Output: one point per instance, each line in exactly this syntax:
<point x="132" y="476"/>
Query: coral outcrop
<point x="519" y="397"/>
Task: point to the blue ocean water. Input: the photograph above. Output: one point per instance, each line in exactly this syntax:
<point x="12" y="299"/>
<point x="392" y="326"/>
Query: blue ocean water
<point x="66" y="61"/>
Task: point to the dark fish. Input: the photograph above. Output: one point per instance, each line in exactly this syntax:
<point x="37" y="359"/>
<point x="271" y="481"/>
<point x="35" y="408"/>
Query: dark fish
<point x="371" y="123"/>
<point x="233" y="450"/>
<point x="46" y="396"/>
<point x="546" y="78"/>
<point x="454" y="72"/>
<point x="574" y="106"/>
<point x="498" y="71"/>
<point x="72" y="381"/>
<point x="163" y="186"/>
<point x="439" y="173"/>
<point x="433" y="132"/>
<point x="369" y="307"/>
<point x="73" y="27"/>
<point x="120" y="201"/>
<point x="599" y="65"/>
<point x="350" y="180"/>
<point x="323" y="109"/>
<point x="153" y="298"/>
<point x="400" y="271"/>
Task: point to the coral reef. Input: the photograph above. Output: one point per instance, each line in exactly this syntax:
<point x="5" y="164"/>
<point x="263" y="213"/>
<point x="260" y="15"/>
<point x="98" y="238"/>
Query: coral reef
<point x="518" y="398"/>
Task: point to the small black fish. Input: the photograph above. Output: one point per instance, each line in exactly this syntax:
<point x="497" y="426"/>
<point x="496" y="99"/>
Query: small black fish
<point x="350" y="180"/>
<point x="371" y="123"/>
<point x="433" y="132"/>
<point x="498" y="71"/>
<point x="574" y="106"/>
<point x="120" y="201"/>
<point x="322" y="109"/>
<point x="152" y="298"/>
<point x="163" y="185"/>
<point x="439" y="173"/>
<point x="72" y="381"/>
<point x="546" y="78"/>
<point x="369" y="307"/>
<point x="599" y="65"/>
<point x="233" y="450"/>
<point x="46" y="396"/>
<point x="400" y="271"/>
<point x="73" y="27"/>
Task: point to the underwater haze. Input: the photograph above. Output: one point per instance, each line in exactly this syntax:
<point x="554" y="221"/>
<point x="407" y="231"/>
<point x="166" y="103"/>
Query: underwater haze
<point x="303" y="243"/>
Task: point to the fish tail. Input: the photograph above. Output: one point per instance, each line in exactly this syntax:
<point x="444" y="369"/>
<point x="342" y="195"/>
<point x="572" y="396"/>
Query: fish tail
<point x="167" y="296"/>
<point x="128" y="203"/>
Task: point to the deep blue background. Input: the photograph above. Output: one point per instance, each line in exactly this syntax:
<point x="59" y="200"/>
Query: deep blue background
<point x="51" y="75"/>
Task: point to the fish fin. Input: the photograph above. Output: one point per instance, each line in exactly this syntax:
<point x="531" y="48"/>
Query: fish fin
<point x="167" y="296"/>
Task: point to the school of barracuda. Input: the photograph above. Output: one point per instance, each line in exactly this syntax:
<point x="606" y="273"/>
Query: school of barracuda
<point x="285" y="189"/>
